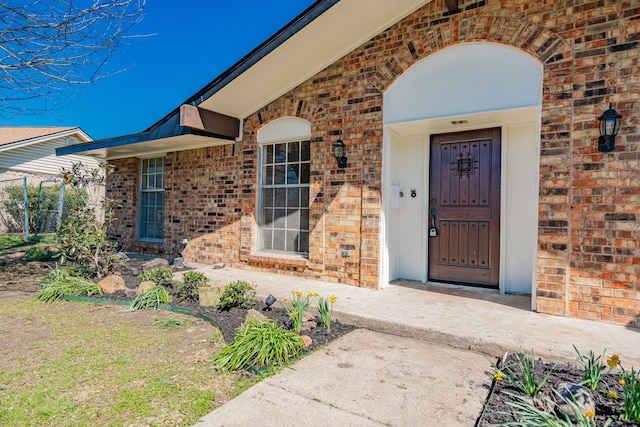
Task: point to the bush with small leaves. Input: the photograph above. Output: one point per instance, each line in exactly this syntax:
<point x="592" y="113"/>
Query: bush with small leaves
<point x="237" y="294"/>
<point x="159" y="276"/>
<point x="191" y="282"/>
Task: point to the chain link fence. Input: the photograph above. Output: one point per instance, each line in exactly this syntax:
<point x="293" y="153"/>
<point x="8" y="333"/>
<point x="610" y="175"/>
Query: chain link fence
<point x="37" y="210"/>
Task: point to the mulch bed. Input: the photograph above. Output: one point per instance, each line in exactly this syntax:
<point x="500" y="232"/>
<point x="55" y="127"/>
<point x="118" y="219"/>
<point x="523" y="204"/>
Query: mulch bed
<point x="229" y="320"/>
<point x="497" y="409"/>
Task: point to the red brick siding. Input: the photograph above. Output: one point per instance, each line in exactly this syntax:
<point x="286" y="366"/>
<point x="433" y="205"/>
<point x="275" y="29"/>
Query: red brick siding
<point x="589" y="201"/>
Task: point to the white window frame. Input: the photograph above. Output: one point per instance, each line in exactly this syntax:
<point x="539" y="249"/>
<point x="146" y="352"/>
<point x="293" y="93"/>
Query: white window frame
<point x="150" y="184"/>
<point x="283" y="221"/>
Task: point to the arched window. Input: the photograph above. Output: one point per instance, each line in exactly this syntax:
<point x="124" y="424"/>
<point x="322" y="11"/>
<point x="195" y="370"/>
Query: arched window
<point x="283" y="204"/>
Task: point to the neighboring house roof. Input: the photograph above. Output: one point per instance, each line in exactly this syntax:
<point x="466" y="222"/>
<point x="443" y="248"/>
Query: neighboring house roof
<point x="319" y="36"/>
<point x="13" y="134"/>
<point x="28" y="149"/>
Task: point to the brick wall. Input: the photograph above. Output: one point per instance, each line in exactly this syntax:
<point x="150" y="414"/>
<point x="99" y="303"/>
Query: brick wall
<point x="588" y="229"/>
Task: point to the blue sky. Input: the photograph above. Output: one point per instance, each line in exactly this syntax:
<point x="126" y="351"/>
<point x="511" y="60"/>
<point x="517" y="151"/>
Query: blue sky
<point x="194" y="41"/>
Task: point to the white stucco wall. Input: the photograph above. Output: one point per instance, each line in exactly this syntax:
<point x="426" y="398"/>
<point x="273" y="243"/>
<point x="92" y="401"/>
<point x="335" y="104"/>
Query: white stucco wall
<point x="422" y="102"/>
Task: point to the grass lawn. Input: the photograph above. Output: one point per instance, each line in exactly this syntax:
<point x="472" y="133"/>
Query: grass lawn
<point x="72" y="364"/>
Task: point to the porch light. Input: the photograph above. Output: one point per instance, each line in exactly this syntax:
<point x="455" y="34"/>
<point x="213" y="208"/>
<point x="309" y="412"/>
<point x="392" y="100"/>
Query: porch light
<point x="609" y="127"/>
<point x="338" y="151"/>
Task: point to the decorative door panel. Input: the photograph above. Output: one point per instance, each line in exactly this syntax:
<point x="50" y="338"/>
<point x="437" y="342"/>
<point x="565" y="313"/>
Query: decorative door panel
<point x="464" y="207"/>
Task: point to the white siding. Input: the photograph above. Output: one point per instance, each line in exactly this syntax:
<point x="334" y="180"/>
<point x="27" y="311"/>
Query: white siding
<point x="41" y="158"/>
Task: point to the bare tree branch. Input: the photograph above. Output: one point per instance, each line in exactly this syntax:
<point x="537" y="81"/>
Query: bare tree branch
<point x="48" y="46"/>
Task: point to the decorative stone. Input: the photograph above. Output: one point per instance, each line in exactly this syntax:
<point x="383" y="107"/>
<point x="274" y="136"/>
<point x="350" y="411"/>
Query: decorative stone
<point x="209" y="296"/>
<point x="112" y="283"/>
<point x="569" y="393"/>
<point x="306" y="339"/>
<point x="308" y="325"/>
<point x="147" y="284"/>
<point x="308" y="316"/>
<point x="155" y="263"/>
<point x="254" y="316"/>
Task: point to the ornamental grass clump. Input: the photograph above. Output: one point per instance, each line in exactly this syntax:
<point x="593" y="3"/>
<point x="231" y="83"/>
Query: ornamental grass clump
<point x="151" y="298"/>
<point x="65" y="281"/>
<point x="631" y="394"/>
<point x="261" y="343"/>
<point x="594" y="368"/>
<point x="521" y="374"/>
<point x="526" y="414"/>
<point x="325" y="309"/>
<point x="299" y="305"/>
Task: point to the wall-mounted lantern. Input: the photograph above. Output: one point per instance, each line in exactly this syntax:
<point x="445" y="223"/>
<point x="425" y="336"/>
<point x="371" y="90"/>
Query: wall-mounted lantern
<point x="338" y="151"/>
<point x="609" y="127"/>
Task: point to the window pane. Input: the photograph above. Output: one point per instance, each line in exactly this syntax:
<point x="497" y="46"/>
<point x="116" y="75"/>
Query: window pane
<point x="268" y="156"/>
<point x="267" y="175"/>
<point x="160" y="181"/>
<point x="267" y="197"/>
<point x="304" y="242"/>
<point x="293" y="197"/>
<point x="304" y="197"/>
<point x="292" y="241"/>
<point x="294" y="152"/>
<point x="279" y="218"/>
<point x="278" y="240"/>
<point x="305" y="173"/>
<point x="305" y="151"/>
<point x="304" y="219"/>
<point x="279" y="174"/>
<point x="280" y="154"/>
<point x="293" y="219"/>
<point x="281" y="197"/>
<point x="292" y="174"/>
<point x="267" y="217"/>
<point x="267" y="239"/>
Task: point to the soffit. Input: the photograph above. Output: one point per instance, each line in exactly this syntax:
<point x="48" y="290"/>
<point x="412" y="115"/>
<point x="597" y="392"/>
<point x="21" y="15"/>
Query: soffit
<point x="338" y="31"/>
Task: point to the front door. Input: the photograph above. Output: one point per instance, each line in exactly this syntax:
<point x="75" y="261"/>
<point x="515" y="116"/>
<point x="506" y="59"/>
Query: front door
<point x="464" y="208"/>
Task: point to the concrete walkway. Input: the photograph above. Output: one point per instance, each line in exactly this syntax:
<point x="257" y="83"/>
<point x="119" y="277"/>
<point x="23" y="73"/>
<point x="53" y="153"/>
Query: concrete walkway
<point x="438" y="324"/>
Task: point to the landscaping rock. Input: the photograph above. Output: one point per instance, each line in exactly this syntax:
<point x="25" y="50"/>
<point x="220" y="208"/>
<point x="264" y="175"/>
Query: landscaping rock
<point x="308" y="325"/>
<point x="147" y="284"/>
<point x="570" y="392"/>
<point x="112" y="283"/>
<point x="307" y="317"/>
<point x="155" y="263"/>
<point x="209" y="296"/>
<point x="307" y="340"/>
<point x="254" y="315"/>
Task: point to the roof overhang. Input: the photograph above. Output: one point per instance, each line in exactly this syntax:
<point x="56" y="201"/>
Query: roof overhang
<point x="325" y="32"/>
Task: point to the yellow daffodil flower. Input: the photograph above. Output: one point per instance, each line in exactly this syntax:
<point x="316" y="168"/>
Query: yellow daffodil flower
<point x="294" y="314"/>
<point x="612" y="394"/>
<point x="622" y="382"/>
<point x="613" y="361"/>
<point x="498" y="376"/>
<point x="333" y="299"/>
<point x="589" y="413"/>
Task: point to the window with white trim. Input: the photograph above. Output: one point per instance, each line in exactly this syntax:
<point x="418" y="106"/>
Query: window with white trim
<point x="151" y="214"/>
<point x="284" y="196"/>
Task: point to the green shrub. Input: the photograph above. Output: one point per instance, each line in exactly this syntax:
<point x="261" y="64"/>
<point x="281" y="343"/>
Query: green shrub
<point x="259" y="344"/>
<point x="62" y="281"/>
<point x="237" y="294"/>
<point x="631" y="394"/>
<point x="37" y="253"/>
<point x="191" y="281"/>
<point x="82" y="237"/>
<point x="159" y="276"/>
<point x="151" y="298"/>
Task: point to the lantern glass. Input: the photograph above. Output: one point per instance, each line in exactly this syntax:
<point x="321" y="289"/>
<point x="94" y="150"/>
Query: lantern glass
<point x="338" y="149"/>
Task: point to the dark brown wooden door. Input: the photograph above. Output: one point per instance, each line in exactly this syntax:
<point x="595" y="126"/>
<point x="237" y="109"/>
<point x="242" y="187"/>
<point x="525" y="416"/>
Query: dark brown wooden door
<point x="464" y="207"/>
